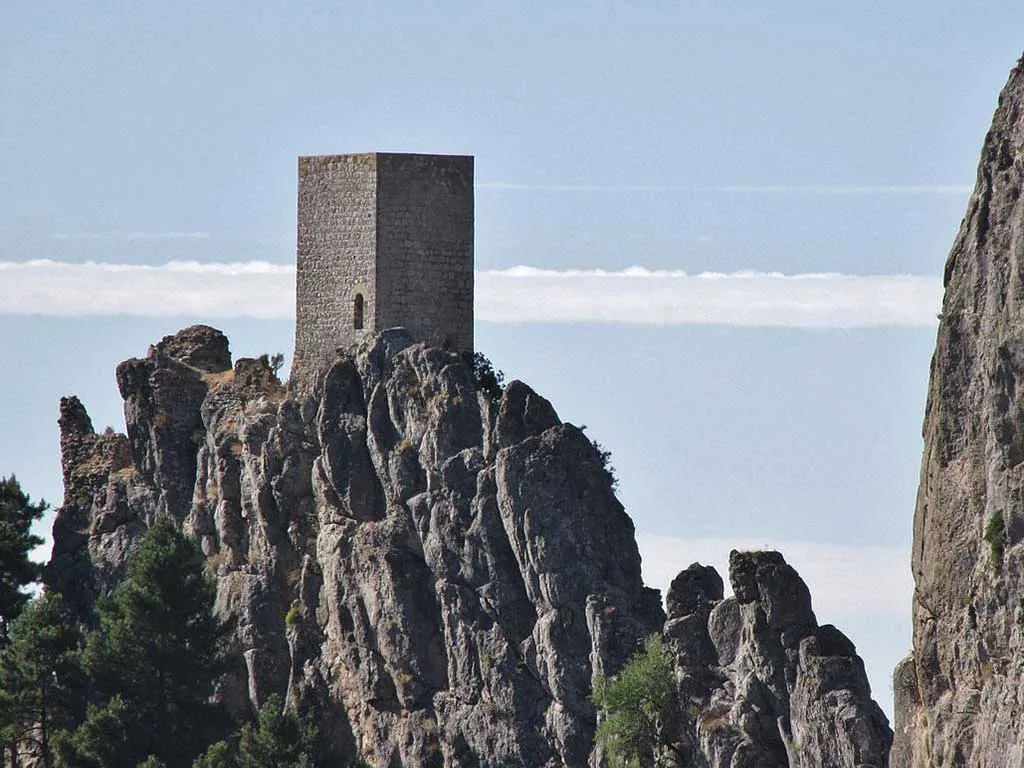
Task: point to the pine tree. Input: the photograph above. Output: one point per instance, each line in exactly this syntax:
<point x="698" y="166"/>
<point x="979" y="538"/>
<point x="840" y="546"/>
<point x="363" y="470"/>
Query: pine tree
<point x="17" y="571"/>
<point x="99" y="742"/>
<point x="40" y="676"/>
<point x="158" y="653"/>
<point x="278" y="741"/>
<point x="219" y="755"/>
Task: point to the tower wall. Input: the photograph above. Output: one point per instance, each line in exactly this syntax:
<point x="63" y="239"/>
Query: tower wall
<point x="396" y="229"/>
<point x="425" y="247"/>
<point x="336" y="259"/>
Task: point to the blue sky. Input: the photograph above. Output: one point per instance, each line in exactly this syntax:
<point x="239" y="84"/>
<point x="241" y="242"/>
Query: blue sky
<point x="679" y="137"/>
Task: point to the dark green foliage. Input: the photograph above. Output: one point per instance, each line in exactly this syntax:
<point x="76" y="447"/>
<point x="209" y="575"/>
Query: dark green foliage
<point x="487" y="378"/>
<point x="219" y="755"/>
<point x="278" y="740"/>
<point x="275" y="363"/>
<point x="40" y="676"/>
<point x="605" y="457"/>
<point x="148" y="671"/>
<point x="100" y="741"/>
<point x="635" y="705"/>
<point x="155" y="658"/>
<point x="17" y="571"/>
<point x="995" y="535"/>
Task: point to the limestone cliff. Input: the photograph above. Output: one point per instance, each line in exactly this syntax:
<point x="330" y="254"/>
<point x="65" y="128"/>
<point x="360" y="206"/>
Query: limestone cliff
<point x="437" y="575"/>
<point x="958" y="695"/>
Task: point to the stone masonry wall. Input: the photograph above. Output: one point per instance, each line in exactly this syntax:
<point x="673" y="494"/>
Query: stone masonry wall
<point x="396" y="229"/>
<point x="337" y="244"/>
<point x="425" y="247"/>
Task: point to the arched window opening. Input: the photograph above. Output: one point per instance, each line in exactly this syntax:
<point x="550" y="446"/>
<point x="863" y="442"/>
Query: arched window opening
<point x="357" y="312"/>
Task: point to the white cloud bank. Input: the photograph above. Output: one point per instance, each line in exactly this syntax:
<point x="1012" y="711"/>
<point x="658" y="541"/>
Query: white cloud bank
<point x="518" y="295"/>
<point x="751" y="299"/>
<point x="242" y="289"/>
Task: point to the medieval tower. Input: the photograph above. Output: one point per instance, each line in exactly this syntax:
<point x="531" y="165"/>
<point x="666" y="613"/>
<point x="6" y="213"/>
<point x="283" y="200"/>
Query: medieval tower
<point x="384" y="240"/>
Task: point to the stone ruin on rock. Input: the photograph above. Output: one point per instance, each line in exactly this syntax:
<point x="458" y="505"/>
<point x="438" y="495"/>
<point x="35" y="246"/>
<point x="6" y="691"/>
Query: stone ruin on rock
<point x="436" y="574"/>
<point x="384" y="240"/>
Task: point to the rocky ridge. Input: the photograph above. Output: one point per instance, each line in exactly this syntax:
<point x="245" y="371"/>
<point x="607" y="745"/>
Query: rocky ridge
<point x="435" y="574"/>
<point x="766" y="686"/>
<point x="958" y="700"/>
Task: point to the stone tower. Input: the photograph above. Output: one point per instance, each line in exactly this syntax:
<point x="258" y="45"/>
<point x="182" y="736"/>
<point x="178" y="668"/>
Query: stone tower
<point x="384" y="240"/>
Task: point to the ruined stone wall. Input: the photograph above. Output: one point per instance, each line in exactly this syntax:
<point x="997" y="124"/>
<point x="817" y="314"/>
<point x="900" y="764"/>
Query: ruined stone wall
<point x="425" y="247"/>
<point x="337" y="244"/>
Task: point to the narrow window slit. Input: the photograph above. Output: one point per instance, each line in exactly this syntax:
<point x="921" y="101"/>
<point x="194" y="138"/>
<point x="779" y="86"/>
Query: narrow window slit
<point x="357" y="312"/>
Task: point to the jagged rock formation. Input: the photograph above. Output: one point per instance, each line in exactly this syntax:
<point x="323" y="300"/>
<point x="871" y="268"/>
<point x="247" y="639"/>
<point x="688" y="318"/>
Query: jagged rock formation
<point x="766" y="686"/>
<point x="436" y="575"/>
<point x="958" y="698"/>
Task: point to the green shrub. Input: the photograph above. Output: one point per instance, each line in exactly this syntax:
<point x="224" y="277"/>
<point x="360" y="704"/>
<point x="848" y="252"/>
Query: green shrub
<point x="487" y="378"/>
<point x="276" y="361"/>
<point x="995" y="535"/>
<point x="635" y="704"/>
<point x="279" y="739"/>
<point x="605" y="457"/>
<point x="219" y="755"/>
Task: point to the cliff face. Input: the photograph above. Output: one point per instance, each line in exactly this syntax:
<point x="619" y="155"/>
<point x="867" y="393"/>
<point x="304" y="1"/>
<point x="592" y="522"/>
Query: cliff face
<point x="958" y="694"/>
<point x="435" y="575"/>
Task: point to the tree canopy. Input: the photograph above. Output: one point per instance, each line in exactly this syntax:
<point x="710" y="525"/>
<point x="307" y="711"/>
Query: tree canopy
<point x="147" y="668"/>
<point x="635" y="705"/>
<point x="278" y="740"/>
<point x="154" y="659"/>
<point x="40" y="676"/>
<point x="17" y="571"/>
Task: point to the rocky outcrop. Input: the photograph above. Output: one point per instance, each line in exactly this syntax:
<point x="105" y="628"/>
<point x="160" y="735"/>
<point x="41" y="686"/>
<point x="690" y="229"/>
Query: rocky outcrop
<point x="114" y="485"/>
<point x="99" y="520"/>
<point x="958" y="699"/>
<point x="762" y="685"/>
<point x="438" y="575"/>
<point x="162" y="396"/>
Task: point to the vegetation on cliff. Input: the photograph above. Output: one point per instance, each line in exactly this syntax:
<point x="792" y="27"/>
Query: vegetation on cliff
<point x="135" y="689"/>
<point x="43" y="688"/>
<point x="635" y="706"/>
<point x="17" y="571"/>
<point x="152" y="661"/>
